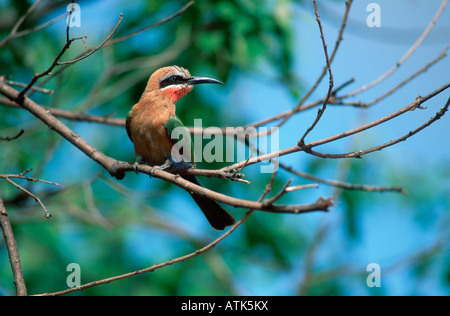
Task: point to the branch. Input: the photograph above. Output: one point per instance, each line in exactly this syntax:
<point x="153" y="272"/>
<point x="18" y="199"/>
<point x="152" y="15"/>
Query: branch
<point x="114" y="41"/>
<point x="14" y="137"/>
<point x="300" y="106"/>
<point x="343" y="185"/>
<point x="160" y="22"/>
<point x="198" y="252"/>
<point x="360" y="153"/>
<point x="333" y="54"/>
<point x="57" y="62"/>
<point x="13" y="253"/>
<point x="118" y="168"/>
<point x="8" y="177"/>
<point x="89" y="53"/>
<point x="425" y="68"/>
<point x="320" y="205"/>
<point x="412" y="49"/>
<point x="16" y="27"/>
<point x="22" y="176"/>
<point x="320" y="112"/>
<point x="308" y="146"/>
<point x="81" y="117"/>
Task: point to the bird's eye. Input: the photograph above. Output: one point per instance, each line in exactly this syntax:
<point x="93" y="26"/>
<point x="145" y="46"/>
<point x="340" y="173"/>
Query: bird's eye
<point x="171" y="80"/>
<point x="175" y="78"/>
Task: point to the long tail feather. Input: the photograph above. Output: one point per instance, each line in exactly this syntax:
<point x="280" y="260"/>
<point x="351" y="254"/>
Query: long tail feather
<point x="217" y="216"/>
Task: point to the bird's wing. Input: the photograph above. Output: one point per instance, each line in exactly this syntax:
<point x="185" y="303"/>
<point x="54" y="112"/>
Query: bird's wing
<point x="128" y="125"/>
<point x="180" y="135"/>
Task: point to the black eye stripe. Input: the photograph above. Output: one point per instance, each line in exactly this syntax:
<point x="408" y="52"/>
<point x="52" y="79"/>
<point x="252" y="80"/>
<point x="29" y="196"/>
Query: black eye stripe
<point x="171" y="80"/>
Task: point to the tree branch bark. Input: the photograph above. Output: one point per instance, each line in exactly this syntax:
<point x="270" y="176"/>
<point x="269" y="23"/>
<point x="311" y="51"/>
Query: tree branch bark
<point x="13" y="253"/>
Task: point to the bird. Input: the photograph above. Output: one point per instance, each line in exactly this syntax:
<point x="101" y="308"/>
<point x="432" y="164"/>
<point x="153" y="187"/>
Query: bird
<point x="150" y="124"/>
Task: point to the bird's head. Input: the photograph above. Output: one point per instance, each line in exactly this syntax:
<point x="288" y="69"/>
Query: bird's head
<point x="175" y="82"/>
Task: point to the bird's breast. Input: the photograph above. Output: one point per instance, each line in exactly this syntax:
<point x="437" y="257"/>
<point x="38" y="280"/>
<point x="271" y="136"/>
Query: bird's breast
<point x="150" y="137"/>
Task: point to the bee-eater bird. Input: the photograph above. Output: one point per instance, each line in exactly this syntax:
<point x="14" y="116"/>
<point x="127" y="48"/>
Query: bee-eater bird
<point x="150" y="124"/>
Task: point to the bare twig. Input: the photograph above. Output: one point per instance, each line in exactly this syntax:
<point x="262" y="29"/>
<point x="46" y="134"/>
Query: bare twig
<point x="308" y="146"/>
<point x="333" y="54"/>
<point x="138" y="64"/>
<point x="320" y="112"/>
<point x="57" y="62"/>
<point x="20" y="84"/>
<point x="198" y="252"/>
<point x="47" y="214"/>
<point x="425" y="68"/>
<point x="81" y="117"/>
<point x="341" y="184"/>
<point x="299" y="107"/>
<point x="118" y="168"/>
<point x="160" y="22"/>
<point x="40" y="27"/>
<point x="277" y="196"/>
<point x="21" y="176"/>
<point x="360" y="153"/>
<point x="411" y="50"/>
<point x="16" y="27"/>
<point x="11" y="246"/>
<point x="14" y="137"/>
<point x="87" y="54"/>
<point x="8" y="178"/>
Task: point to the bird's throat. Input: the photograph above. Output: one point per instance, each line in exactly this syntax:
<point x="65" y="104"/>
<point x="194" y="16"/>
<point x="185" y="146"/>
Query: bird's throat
<point x="175" y="93"/>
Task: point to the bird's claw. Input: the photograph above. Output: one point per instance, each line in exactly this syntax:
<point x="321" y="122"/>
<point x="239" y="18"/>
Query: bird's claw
<point x="135" y="165"/>
<point x="181" y="165"/>
<point x="139" y="161"/>
<point x="153" y="170"/>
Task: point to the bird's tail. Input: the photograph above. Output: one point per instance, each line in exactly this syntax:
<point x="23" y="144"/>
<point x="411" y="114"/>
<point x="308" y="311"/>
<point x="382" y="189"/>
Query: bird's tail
<point x="217" y="216"/>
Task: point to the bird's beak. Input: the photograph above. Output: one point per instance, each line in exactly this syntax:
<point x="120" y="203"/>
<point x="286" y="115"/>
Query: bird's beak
<point x="198" y="80"/>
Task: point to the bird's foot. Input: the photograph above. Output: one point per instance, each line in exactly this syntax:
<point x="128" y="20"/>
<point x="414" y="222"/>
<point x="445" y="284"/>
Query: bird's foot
<point x="156" y="168"/>
<point x="172" y="165"/>
<point x="139" y="161"/>
<point x="178" y="166"/>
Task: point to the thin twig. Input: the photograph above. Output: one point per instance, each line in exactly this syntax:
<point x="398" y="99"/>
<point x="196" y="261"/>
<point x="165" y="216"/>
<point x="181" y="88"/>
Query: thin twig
<point x="198" y="252"/>
<point x="96" y="48"/>
<point x="42" y="26"/>
<point x="8" y="177"/>
<point x="299" y="107"/>
<point x="425" y="68"/>
<point x="307" y="147"/>
<point x="57" y="62"/>
<point x="13" y="253"/>
<point x="320" y="112"/>
<point x="160" y="22"/>
<point x="81" y="117"/>
<point x="277" y="196"/>
<point x="360" y="153"/>
<point x="19" y="22"/>
<point x="341" y="184"/>
<point x="411" y="50"/>
<point x="20" y="84"/>
<point x="47" y="214"/>
<point x="30" y="179"/>
<point x="14" y="137"/>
